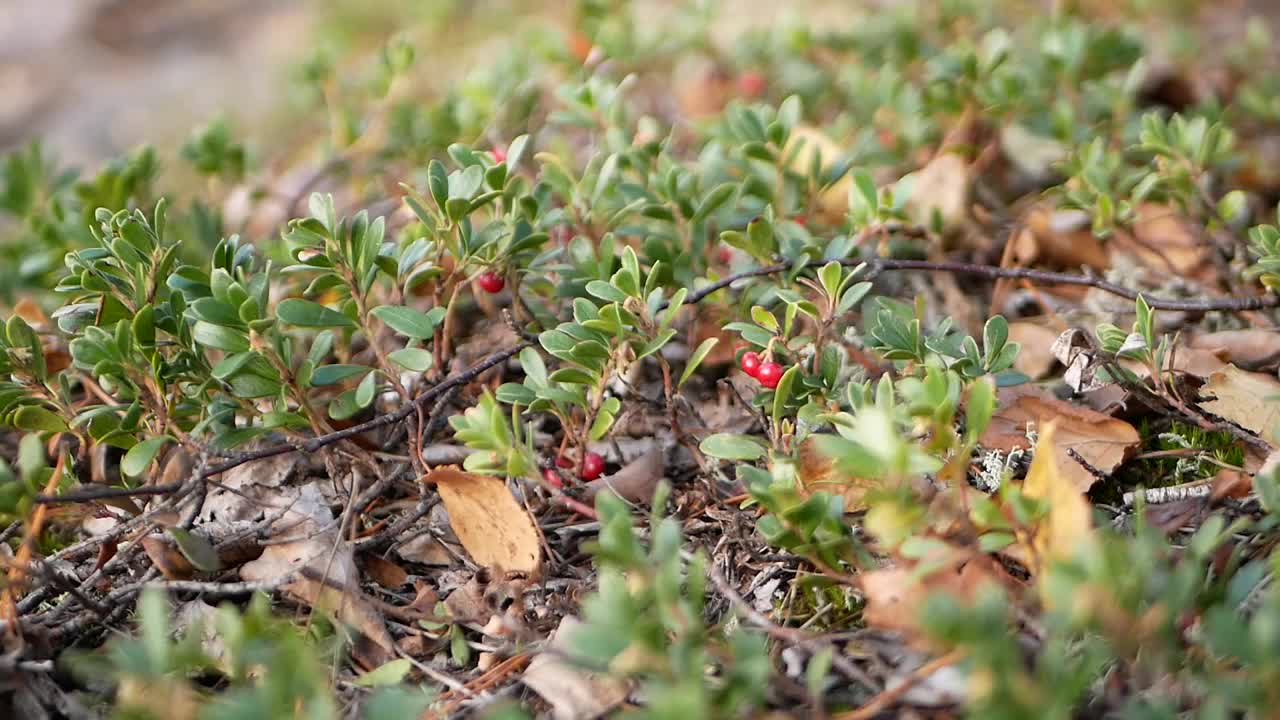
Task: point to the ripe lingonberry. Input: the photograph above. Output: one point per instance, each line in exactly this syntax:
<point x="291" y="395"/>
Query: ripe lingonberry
<point x="751" y="84"/>
<point x="750" y="363"/>
<point x="769" y="374"/>
<point x="592" y="466"/>
<point x="491" y="282"/>
<point x="552" y="478"/>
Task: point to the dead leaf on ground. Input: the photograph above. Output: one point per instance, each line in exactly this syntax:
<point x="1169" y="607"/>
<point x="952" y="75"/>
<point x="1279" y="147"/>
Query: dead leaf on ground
<point x="1191" y="361"/>
<point x="941" y="188"/>
<point x="895" y="596"/>
<point x="383" y="571"/>
<point x="817" y="472"/>
<point x="331" y="580"/>
<point x="636" y="481"/>
<point x="1034" y="155"/>
<point x="1251" y="348"/>
<point x="1067" y="530"/>
<point x="1247" y="399"/>
<point x="573" y="693"/>
<point x="426" y="550"/>
<point x="1036" y="337"/>
<point x="805" y="142"/>
<point x="1102" y="441"/>
<point x="1164" y="242"/>
<point x="495" y="530"/>
<point x="1062" y="238"/>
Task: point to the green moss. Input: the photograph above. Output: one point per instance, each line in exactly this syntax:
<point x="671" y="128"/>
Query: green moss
<point x="1216" y="448"/>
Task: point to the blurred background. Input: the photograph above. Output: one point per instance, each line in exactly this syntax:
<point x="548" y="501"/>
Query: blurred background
<point x="94" y="78"/>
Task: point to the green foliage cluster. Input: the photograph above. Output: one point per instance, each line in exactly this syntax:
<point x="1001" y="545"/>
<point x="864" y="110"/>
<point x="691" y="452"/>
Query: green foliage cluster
<point x="604" y="218"/>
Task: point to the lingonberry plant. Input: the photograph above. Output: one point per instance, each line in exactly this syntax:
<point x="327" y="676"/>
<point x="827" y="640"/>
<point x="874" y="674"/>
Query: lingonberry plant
<point x="938" y="342"/>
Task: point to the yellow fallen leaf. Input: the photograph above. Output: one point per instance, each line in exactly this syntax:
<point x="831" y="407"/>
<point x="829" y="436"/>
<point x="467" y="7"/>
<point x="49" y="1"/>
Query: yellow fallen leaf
<point x="491" y="525"/>
<point x="1247" y="399"/>
<point x="803" y="143"/>
<point x="1067" y="530"/>
<point x="941" y="187"/>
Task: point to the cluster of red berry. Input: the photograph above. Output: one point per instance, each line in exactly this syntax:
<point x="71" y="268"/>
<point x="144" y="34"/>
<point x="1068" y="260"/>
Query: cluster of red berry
<point x="592" y="468"/>
<point x="767" y="372"/>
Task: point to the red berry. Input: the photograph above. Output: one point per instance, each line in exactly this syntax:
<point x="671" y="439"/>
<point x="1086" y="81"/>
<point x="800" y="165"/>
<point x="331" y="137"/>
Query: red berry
<point x="592" y="466"/>
<point x="499" y="154"/>
<point x="725" y="254"/>
<point x="491" y="282"/>
<point x="751" y="84"/>
<point x="769" y="374"/>
<point x="751" y="363"/>
<point x="552" y="478"/>
<point x="563" y="461"/>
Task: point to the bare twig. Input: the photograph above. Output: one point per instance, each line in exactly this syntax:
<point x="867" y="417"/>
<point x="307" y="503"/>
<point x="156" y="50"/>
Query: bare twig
<point x="309" y="446"/>
<point x="876" y="266"/>
<point x="791" y="635"/>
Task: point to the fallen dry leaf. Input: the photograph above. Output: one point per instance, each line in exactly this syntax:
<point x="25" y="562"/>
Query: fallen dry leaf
<point x="1251" y="348"/>
<point x="384" y="572"/>
<point x="895" y="595"/>
<point x="803" y="143"/>
<point x="1067" y="530"/>
<point x="1165" y="243"/>
<point x="573" y="693"/>
<point x="1036" y="337"/>
<point x="490" y="524"/>
<point x="817" y="472"/>
<point x="322" y="566"/>
<point x="941" y="187"/>
<point x="1247" y="399"/>
<point x="1102" y="441"/>
<point x="1061" y="238"/>
<point x="1191" y="361"/>
<point x="636" y="481"/>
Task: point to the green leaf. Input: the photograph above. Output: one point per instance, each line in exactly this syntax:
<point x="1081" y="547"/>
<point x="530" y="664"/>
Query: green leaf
<point x="219" y="337"/>
<point x="196" y="549"/>
<point x="38" y="419"/>
<point x="606" y="291"/>
<point x="366" y="389"/>
<point x="764" y="319"/>
<point x="409" y="322"/>
<point x="334" y="374"/>
<point x="783" y="392"/>
<point x="980" y="407"/>
<point x="305" y="313"/>
<point x="714" y="199"/>
<point x="139" y="457"/>
<point x="390" y="673"/>
<point x="696" y="358"/>
<point x="728" y="446"/>
<point x="413" y="359"/>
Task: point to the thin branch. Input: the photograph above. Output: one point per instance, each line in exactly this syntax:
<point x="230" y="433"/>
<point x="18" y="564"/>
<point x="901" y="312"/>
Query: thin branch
<point x="309" y="446"/>
<point x="876" y="266"/>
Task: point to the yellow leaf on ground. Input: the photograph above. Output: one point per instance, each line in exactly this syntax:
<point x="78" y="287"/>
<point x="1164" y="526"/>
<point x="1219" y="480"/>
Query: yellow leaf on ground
<point x="1247" y="399"/>
<point x="1068" y="528"/>
<point x="1100" y="440"/>
<point x="491" y="525"/>
<point x="803" y="144"/>
<point x="941" y="187"/>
